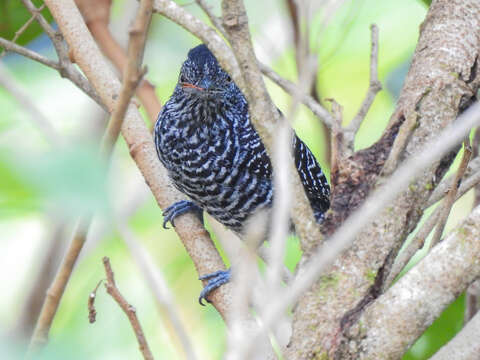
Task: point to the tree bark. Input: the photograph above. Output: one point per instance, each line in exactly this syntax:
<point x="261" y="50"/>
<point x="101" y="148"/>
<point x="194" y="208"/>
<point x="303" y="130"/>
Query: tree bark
<point x="441" y="83"/>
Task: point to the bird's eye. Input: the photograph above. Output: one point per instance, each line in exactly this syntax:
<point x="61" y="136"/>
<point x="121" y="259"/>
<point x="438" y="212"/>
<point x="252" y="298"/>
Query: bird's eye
<point x="229" y="79"/>
<point x="183" y="78"/>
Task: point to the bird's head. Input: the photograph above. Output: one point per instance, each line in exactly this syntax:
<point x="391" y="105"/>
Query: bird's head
<point x="202" y="76"/>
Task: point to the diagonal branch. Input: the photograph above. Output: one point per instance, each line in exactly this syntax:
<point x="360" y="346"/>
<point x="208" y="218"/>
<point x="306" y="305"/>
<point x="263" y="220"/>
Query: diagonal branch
<point x="373" y="88"/>
<point x="56" y="290"/>
<point x="452" y="193"/>
<point x="128" y="309"/>
<point x="139" y="140"/>
<point x="400" y="316"/>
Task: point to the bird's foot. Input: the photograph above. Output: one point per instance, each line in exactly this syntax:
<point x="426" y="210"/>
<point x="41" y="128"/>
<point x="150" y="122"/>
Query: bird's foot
<point x="180" y="208"/>
<point x="215" y="280"/>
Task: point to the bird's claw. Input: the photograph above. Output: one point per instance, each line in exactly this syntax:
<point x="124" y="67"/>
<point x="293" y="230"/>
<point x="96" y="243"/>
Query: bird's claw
<point x="177" y="209"/>
<point x="215" y="280"/>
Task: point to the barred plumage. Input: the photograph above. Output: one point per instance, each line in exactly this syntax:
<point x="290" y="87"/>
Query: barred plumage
<point x="214" y="155"/>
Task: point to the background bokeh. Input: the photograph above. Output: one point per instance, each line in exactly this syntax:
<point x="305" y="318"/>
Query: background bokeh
<point x="47" y="180"/>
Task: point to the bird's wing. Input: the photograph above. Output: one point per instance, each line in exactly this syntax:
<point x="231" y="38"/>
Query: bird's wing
<point x="314" y="181"/>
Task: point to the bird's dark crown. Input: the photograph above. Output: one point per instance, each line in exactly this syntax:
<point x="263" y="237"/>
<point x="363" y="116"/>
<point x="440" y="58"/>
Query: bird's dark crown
<point x="202" y="73"/>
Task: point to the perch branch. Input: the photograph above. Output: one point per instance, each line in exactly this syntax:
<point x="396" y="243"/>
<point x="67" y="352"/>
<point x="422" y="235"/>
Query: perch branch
<point x="139" y="140"/>
<point x="128" y="309"/>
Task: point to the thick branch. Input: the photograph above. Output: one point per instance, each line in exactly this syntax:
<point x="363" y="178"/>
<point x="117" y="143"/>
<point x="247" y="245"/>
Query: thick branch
<point x="437" y="97"/>
<point x="391" y="325"/>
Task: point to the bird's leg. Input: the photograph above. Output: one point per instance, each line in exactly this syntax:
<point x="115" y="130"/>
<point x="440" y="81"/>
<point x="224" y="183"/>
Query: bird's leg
<point x="180" y="208"/>
<point x="215" y="280"/>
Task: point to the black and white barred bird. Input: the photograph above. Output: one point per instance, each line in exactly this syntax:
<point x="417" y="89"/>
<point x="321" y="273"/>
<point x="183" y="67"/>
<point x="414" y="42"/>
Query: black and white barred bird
<point x="214" y="155"/>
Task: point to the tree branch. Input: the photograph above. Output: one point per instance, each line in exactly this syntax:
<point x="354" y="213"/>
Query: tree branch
<point x="437" y="97"/>
<point x="128" y="309"/>
<point x="452" y="193"/>
<point x="139" y="140"/>
<point x="56" y="290"/>
<point x="393" y="322"/>
<point x="265" y="116"/>
<point x="11" y="46"/>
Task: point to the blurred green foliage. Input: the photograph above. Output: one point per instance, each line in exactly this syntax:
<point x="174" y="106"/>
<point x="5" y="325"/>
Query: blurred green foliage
<point x="71" y="178"/>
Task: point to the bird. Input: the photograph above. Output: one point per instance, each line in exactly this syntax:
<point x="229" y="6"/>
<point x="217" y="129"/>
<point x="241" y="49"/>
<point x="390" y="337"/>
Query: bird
<point x="214" y="155"/>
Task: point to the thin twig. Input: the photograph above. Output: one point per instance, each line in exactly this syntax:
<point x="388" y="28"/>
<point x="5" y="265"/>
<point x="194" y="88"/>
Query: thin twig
<point x="22" y="29"/>
<point x="128" y="309"/>
<point x="373" y="88"/>
<point x="452" y="193"/>
<point x="66" y="67"/>
<point x="400" y="143"/>
<point x="419" y="239"/>
<point x="265" y="116"/>
<point x="472" y="295"/>
<point x="158" y="286"/>
<point x="415" y="244"/>
<point x="92" y="313"/>
<point x="292" y="89"/>
<point x="216" y="21"/>
<point x="11" y="46"/>
<point x="472" y="177"/>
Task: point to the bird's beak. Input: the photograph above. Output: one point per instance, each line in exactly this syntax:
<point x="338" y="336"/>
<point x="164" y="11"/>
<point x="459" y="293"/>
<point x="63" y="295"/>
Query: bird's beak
<point x="203" y="85"/>
<point x="191" y="86"/>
